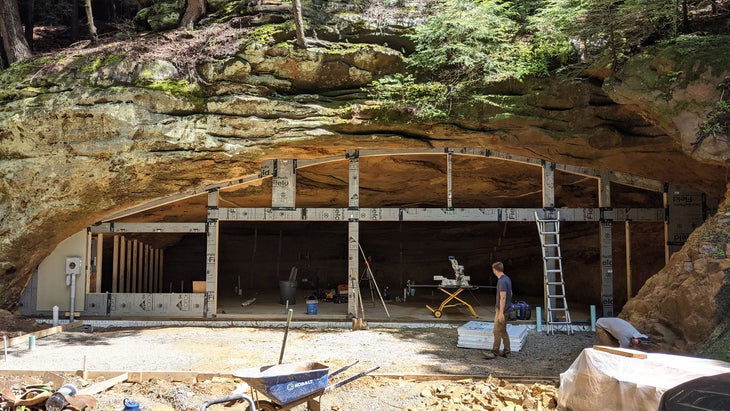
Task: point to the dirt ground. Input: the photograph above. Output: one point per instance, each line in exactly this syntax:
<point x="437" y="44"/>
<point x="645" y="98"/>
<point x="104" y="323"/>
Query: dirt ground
<point x="405" y="357"/>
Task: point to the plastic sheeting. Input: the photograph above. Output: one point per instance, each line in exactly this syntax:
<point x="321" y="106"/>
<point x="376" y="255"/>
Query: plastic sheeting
<point x="599" y="380"/>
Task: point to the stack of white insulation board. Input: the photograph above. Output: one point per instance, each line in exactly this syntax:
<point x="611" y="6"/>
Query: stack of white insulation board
<point x="480" y="334"/>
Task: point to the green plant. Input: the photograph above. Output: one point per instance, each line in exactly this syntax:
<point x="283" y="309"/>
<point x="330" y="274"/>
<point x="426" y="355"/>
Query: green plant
<point x="718" y="119"/>
<point x="402" y="93"/>
<point x="177" y="87"/>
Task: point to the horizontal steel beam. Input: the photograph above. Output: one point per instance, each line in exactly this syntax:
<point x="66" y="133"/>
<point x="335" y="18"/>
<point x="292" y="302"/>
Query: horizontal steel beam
<point x="432" y="214"/>
<point x="148" y="228"/>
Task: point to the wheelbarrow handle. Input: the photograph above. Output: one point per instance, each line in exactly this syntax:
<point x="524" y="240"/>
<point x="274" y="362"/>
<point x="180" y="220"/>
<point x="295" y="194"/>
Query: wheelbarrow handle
<point x="344" y="368"/>
<point x="348" y="379"/>
<point x="229" y="398"/>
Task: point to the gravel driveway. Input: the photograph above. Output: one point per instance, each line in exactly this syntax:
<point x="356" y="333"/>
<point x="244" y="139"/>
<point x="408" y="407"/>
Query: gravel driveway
<point x="398" y="352"/>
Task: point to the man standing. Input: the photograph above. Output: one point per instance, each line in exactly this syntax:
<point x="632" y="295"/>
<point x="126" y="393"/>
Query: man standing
<point x="504" y="298"/>
<point x="615" y="332"/>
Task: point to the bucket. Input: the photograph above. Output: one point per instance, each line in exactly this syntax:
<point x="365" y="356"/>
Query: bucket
<point x="311" y="306"/>
<point x="130" y="405"/>
<point x="288" y="291"/>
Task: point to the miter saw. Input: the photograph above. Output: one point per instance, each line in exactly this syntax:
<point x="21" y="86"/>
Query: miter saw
<point x="460" y="279"/>
<point x="452" y="288"/>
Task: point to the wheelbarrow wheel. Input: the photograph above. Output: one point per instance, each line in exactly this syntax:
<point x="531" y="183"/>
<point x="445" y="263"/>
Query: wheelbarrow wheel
<point x="263" y="405"/>
<point x="437" y="314"/>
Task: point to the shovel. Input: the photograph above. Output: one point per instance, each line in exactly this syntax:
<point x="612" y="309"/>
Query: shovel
<point x="286" y="332"/>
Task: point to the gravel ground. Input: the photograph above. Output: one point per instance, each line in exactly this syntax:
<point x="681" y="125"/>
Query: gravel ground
<point x="398" y="352"/>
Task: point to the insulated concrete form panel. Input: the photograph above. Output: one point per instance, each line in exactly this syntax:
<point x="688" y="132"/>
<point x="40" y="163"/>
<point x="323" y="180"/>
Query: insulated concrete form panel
<point x="432" y="214"/>
<point x="148" y="304"/>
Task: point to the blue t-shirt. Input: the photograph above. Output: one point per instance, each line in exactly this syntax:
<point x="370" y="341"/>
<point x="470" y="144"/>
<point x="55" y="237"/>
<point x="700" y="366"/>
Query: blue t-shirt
<point x="504" y="284"/>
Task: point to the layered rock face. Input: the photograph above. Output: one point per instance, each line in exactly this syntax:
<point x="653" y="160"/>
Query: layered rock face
<point x="86" y="135"/>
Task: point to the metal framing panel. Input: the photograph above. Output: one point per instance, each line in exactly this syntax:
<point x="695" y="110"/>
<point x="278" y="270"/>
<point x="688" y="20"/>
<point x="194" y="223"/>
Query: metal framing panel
<point x="283" y="173"/>
<point x="353" y="243"/>
<point x="148" y="228"/>
<point x="211" y="259"/>
<point x="548" y="185"/>
<point x="283" y="184"/>
<point x="606" y="238"/>
<point x="432" y="214"/>
<point x="267" y="171"/>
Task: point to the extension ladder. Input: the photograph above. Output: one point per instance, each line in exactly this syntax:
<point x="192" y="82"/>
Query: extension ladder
<point x="558" y="316"/>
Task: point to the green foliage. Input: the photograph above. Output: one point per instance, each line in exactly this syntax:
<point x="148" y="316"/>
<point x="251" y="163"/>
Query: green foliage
<point x="466" y="44"/>
<point x="177" y="87"/>
<point x="22" y="71"/>
<point x="616" y="26"/>
<point x="472" y="42"/>
<point x="89" y="63"/>
<point x="718" y="121"/>
<point x="401" y="93"/>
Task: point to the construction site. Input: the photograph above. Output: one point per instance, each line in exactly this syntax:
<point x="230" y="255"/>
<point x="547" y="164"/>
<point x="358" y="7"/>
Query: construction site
<point x="275" y="205"/>
<point x="349" y="265"/>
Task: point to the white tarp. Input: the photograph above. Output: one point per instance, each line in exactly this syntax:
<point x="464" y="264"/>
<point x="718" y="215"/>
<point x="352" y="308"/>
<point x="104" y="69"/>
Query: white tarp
<point x="599" y="380"/>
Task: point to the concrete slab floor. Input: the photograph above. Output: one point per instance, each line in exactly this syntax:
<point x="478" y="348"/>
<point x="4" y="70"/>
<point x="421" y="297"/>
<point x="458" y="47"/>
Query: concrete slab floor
<point x="267" y="306"/>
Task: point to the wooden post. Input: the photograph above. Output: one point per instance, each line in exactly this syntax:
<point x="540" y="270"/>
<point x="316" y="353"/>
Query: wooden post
<point x="148" y="268"/>
<point x="140" y="268"/>
<point x="122" y="264"/>
<point x="128" y="283"/>
<point x="87" y="270"/>
<point x="629" y="291"/>
<point x="115" y="265"/>
<point x="133" y="288"/>
<point x="99" y="261"/>
<point x="162" y="271"/>
<point x="449" y="179"/>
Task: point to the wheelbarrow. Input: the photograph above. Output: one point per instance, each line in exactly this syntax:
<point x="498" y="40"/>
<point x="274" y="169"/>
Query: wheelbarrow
<point x="287" y="385"/>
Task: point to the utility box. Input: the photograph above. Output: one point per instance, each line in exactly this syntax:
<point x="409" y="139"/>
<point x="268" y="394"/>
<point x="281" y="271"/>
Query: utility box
<point x="73" y="265"/>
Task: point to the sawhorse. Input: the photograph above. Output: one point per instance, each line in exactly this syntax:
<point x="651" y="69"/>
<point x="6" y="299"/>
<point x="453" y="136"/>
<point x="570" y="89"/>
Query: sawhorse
<point x="452" y="296"/>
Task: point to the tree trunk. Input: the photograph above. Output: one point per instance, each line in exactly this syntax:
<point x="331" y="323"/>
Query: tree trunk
<point x="685" y="16"/>
<point x="583" y="50"/>
<point x="299" y="22"/>
<point x="29" y="22"/>
<point x="194" y="11"/>
<point x="75" y="20"/>
<point x="90" y="19"/>
<point x="11" y="31"/>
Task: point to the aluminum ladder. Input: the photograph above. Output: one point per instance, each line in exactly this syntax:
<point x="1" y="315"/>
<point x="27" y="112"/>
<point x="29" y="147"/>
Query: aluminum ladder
<point x="558" y="316"/>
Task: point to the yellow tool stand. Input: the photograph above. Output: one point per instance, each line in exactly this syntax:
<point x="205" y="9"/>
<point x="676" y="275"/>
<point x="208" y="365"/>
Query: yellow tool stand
<point x="452" y="296"/>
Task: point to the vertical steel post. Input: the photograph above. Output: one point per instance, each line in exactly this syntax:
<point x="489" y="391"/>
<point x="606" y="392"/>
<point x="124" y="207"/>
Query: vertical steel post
<point x="606" y="238"/>
<point x="211" y="260"/>
<point x="353" y="233"/>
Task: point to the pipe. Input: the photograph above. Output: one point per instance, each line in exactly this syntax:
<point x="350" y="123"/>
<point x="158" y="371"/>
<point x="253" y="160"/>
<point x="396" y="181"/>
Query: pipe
<point x="55" y="316"/>
<point x="5" y="345"/>
<point x="593" y="318"/>
<point x="73" y="297"/>
<point x="538" y="317"/>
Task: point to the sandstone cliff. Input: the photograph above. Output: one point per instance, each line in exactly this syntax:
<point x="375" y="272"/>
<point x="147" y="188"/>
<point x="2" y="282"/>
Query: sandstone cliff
<point x="91" y="131"/>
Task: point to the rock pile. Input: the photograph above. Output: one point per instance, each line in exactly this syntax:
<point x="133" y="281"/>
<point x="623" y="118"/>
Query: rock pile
<point x="490" y="394"/>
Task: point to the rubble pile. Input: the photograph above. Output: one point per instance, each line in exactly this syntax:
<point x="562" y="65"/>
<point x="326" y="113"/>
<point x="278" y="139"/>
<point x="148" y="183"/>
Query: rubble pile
<point x="490" y="394"/>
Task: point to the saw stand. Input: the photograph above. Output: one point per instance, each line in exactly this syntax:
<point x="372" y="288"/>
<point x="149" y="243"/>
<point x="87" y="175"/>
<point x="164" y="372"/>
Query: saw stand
<point x="452" y="288"/>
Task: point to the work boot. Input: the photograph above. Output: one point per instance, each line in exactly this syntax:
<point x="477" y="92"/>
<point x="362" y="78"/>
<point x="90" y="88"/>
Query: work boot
<point x="490" y="355"/>
<point x="505" y="353"/>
